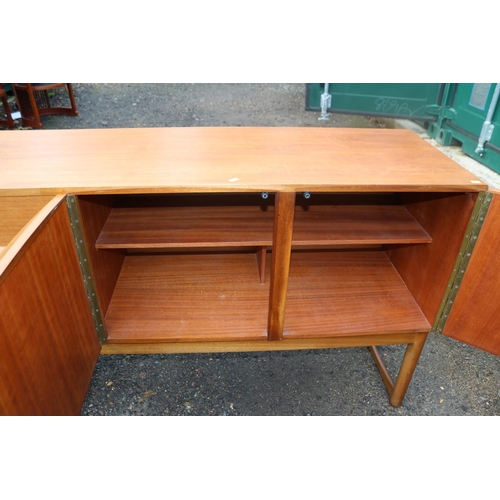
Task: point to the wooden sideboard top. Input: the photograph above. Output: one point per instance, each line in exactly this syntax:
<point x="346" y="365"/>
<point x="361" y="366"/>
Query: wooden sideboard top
<point x="210" y="159"/>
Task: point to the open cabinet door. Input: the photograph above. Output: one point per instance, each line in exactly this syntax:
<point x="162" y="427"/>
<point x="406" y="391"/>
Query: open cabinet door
<point x="48" y="343"/>
<point x="475" y="315"/>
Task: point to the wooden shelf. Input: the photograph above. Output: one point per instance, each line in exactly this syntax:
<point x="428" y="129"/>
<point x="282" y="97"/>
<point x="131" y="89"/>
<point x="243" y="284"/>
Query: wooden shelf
<point x="168" y="298"/>
<point x="178" y="227"/>
<point x="348" y="293"/>
<point x="183" y="227"/>
<point x="218" y="297"/>
<point x="356" y="224"/>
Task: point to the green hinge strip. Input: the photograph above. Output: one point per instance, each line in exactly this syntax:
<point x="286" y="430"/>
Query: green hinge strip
<point x="469" y="242"/>
<point x="81" y="249"/>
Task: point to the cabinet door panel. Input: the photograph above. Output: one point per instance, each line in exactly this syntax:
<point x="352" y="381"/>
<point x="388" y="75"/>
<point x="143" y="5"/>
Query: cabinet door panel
<point x="475" y="316"/>
<point x="48" y="344"/>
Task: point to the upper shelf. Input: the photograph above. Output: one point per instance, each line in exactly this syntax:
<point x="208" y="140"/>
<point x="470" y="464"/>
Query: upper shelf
<point x="211" y="226"/>
<point x="215" y="159"/>
<point x="356" y="224"/>
<point x="169" y="227"/>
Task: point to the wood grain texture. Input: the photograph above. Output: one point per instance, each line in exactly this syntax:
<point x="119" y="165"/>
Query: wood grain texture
<point x="348" y="293"/>
<point x="182" y="227"/>
<point x="355" y="224"/>
<point x="384" y="372"/>
<point x="280" y="262"/>
<point x="426" y="269"/>
<point x="405" y="374"/>
<point x="177" y="227"/>
<point x="105" y="265"/>
<point x="16" y="212"/>
<point x="14" y="250"/>
<point x="48" y="344"/>
<point x="211" y="159"/>
<point x="261" y="254"/>
<point x="397" y="390"/>
<point x="172" y="298"/>
<point x="258" y="345"/>
<point x="475" y="315"/>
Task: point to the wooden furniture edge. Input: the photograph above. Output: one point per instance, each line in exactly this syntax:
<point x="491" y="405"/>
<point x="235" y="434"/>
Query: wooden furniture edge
<point x="260" y="345"/>
<point x="13" y="251"/>
<point x="32" y="191"/>
<point x="228" y="159"/>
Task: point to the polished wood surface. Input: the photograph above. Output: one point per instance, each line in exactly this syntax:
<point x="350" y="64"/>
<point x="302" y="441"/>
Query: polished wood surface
<point x="172" y="298"/>
<point x="406" y="370"/>
<point x="177" y="227"/>
<point x="197" y="281"/>
<point x="426" y="269"/>
<point x="106" y="265"/>
<point x="280" y="264"/>
<point x="397" y="390"/>
<point x="348" y="293"/>
<point x="14" y="250"/>
<point x="48" y="344"/>
<point x="384" y="372"/>
<point x="475" y="315"/>
<point x="261" y="254"/>
<point x="356" y="224"/>
<point x="16" y="212"/>
<point x="212" y="159"/>
<point x="258" y="345"/>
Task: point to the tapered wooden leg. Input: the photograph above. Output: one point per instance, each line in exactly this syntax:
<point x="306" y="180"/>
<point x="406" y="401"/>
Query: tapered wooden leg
<point x="408" y="366"/>
<point x="398" y="389"/>
<point x="384" y="372"/>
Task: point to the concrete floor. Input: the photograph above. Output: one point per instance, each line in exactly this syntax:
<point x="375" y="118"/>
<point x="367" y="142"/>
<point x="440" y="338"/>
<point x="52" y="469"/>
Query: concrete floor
<point x="451" y="378"/>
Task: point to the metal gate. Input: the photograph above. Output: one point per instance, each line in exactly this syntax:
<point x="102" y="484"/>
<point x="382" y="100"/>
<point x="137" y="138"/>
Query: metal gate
<point x="454" y="113"/>
<point x="395" y="100"/>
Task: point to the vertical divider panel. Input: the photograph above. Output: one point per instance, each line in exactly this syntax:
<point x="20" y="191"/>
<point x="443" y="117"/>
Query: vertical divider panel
<point x="284" y="212"/>
<point x="105" y="265"/>
<point x="261" y="263"/>
<point x="426" y="269"/>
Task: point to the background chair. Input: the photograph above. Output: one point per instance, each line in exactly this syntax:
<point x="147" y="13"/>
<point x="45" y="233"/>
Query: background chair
<point x="8" y="122"/>
<point x="34" y="102"/>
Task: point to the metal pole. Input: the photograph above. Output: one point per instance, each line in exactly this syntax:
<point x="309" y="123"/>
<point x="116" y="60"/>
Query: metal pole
<point x="326" y="102"/>
<point x="487" y="129"/>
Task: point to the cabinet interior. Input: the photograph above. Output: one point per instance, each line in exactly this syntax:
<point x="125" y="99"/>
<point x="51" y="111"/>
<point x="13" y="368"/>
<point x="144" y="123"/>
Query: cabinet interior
<point x="196" y="267"/>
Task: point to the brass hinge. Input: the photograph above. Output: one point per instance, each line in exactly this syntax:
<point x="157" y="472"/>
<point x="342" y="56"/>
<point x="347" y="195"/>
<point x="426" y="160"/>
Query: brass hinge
<point x="469" y="242"/>
<point x="81" y="249"/>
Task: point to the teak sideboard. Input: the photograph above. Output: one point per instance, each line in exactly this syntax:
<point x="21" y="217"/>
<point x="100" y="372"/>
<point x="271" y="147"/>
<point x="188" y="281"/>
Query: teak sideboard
<point x="175" y="240"/>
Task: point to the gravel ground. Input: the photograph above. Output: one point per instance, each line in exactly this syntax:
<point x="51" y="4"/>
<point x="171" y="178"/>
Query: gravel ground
<point x="451" y="378"/>
<point x="115" y="105"/>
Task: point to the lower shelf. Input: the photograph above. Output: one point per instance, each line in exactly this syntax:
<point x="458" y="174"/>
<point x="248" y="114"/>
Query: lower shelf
<point x="348" y="293"/>
<point x="165" y="298"/>
<point x="193" y="298"/>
